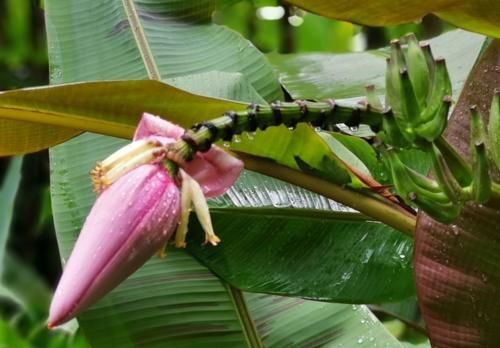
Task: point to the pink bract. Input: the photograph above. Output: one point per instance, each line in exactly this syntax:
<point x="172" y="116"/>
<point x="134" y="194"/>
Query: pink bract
<point x="132" y="219"/>
<point x="128" y="223"/>
<point x="215" y="171"/>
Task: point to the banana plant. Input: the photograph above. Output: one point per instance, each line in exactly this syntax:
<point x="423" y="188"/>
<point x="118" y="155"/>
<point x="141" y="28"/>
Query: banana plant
<point x="148" y="48"/>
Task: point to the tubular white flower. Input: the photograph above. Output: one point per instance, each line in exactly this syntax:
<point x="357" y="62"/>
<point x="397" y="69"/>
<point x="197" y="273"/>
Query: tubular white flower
<point x="192" y="194"/>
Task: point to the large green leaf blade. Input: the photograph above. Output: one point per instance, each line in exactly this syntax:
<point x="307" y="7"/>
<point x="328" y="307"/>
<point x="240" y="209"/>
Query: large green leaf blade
<point x="156" y="39"/>
<point x="134" y="40"/>
<point x="176" y="301"/>
<point x="292" y="322"/>
<point x="280" y="239"/>
<point x="111" y="108"/>
<point x="105" y="47"/>
<point x="8" y="193"/>
<point x="325" y="75"/>
<point x="479" y="16"/>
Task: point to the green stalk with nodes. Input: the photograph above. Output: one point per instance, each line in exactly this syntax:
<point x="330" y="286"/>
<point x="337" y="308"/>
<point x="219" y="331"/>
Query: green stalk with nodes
<point x="418" y="98"/>
<point x="323" y="115"/>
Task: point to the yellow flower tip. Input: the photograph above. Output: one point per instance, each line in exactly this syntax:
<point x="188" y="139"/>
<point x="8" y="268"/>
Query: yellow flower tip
<point x="99" y="183"/>
<point x="162" y="253"/>
<point x="212" y="239"/>
<point x="153" y="142"/>
<point x="180" y="244"/>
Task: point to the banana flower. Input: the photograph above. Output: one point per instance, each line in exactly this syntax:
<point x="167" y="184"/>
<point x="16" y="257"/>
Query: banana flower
<point x="140" y="205"/>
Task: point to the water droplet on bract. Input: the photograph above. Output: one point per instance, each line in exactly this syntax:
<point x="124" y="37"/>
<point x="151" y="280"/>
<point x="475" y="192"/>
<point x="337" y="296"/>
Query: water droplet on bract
<point x="317" y="129"/>
<point x="354" y="128"/>
<point x="291" y="128"/>
<point x="225" y="144"/>
<point x="360" y="340"/>
<point x="237" y="139"/>
<point x="402" y="256"/>
<point x="354" y="307"/>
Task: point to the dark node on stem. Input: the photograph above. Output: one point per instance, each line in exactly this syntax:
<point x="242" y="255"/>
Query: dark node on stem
<point x="252" y="117"/>
<point x="320" y="121"/>
<point x="196" y="127"/>
<point x="188" y="139"/>
<point x="355" y="118"/>
<point x="278" y="118"/>
<point x="303" y="109"/>
<point x="292" y="124"/>
<point x="230" y="129"/>
<point x="207" y="143"/>
<point x="333" y="108"/>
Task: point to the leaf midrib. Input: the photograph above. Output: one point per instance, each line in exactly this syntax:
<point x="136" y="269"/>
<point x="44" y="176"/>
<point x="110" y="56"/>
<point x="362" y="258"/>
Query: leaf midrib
<point x="141" y="40"/>
<point x="246" y="320"/>
<point x="293" y="213"/>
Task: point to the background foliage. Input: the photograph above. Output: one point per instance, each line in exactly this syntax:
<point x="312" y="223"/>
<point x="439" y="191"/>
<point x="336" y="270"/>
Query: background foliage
<point x="31" y="255"/>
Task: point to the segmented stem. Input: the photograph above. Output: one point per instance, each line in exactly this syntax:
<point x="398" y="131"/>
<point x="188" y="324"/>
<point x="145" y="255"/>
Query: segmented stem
<point x="319" y="114"/>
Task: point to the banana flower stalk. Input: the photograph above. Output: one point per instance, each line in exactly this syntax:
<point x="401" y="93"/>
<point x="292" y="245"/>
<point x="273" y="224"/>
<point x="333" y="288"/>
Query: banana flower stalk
<point x="140" y="205"/>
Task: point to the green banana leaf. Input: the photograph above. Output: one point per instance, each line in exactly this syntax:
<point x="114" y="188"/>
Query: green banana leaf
<point x="479" y="16"/>
<point x="177" y="300"/>
<point x="55" y="114"/>
<point x="309" y="247"/>
<point x="174" y="301"/>
<point x="9" y="337"/>
<point x="326" y="75"/>
<point x="273" y="313"/>
<point x="8" y="192"/>
<point x="457" y="266"/>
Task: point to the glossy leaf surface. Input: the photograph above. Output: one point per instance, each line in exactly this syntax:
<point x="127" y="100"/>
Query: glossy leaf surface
<point x="308" y="247"/>
<point x="479" y="16"/>
<point x="324" y="75"/>
<point x="112" y="108"/>
<point x="335" y="325"/>
<point x="174" y="301"/>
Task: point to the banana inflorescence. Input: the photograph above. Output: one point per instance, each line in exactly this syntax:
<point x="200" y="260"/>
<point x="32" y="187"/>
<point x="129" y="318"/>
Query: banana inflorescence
<point x="418" y="100"/>
<point x="418" y="91"/>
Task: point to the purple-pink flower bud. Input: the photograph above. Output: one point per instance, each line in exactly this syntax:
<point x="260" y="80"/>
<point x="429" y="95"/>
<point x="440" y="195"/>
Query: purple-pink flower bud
<point x="128" y="223"/>
<point x="136" y="212"/>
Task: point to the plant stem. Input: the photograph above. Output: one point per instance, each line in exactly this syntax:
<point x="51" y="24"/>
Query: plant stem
<point x="384" y="211"/>
<point x="318" y="114"/>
